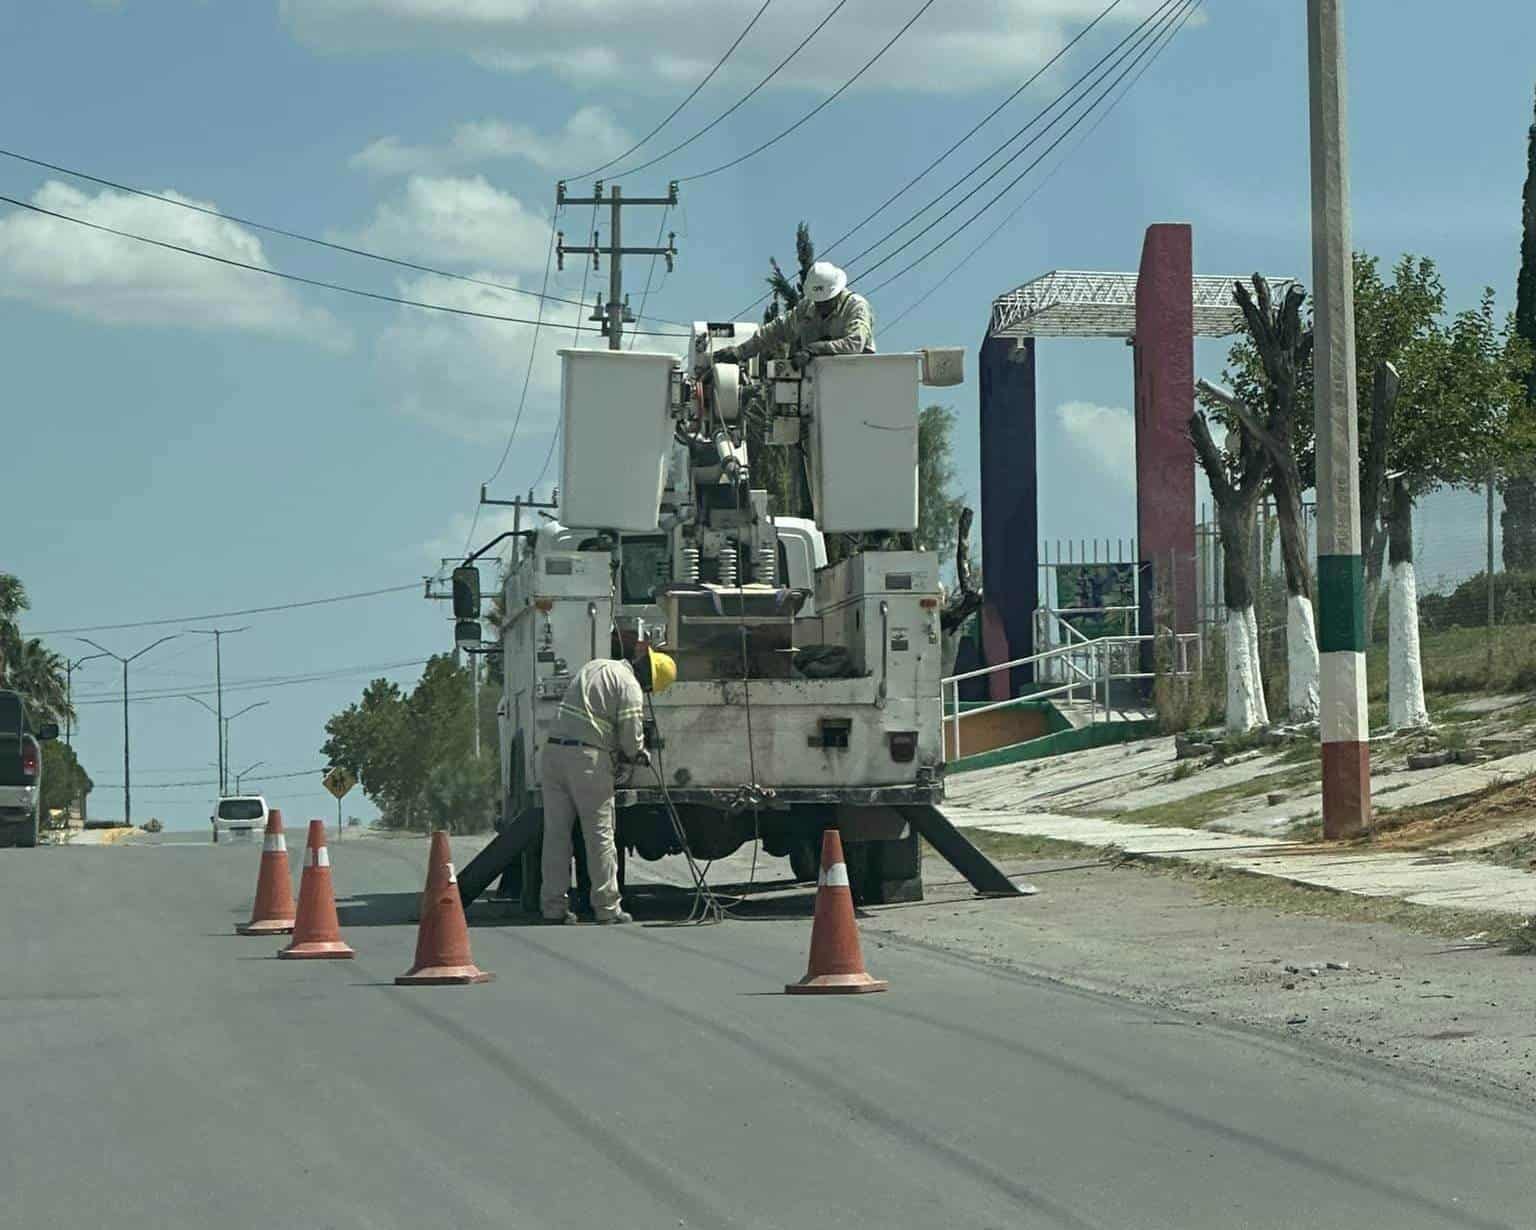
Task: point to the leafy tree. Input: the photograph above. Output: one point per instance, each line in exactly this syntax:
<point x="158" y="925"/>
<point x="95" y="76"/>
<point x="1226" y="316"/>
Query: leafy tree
<point x="938" y="507"/>
<point x="779" y="469"/>
<point x="414" y="753"/>
<point x="65" y="782"/>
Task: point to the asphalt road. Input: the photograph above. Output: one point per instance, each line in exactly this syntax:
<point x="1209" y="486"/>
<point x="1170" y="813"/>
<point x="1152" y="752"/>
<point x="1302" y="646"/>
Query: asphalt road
<point x="159" y="1071"/>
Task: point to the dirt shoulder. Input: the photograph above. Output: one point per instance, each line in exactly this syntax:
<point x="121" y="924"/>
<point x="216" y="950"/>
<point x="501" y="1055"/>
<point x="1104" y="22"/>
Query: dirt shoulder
<point x="1410" y="986"/>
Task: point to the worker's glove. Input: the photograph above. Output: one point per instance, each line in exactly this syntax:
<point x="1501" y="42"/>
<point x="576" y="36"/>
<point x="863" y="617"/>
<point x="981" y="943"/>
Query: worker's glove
<point x="726" y="354"/>
<point x="643" y="757"/>
<point x="801" y="359"/>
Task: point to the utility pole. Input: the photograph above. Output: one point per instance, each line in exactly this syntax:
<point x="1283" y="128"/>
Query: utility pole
<point x="127" y="781"/>
<point x="218" y="635"/>
<point x="1340" y="570"/>
<point x="616" y="314"/>
<point x="1493" y="475"/>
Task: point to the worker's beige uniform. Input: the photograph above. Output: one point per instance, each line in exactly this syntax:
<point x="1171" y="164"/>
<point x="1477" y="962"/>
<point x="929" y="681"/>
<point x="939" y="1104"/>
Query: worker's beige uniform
<point x="600" y="718"/>
<point x="847" y="329"/>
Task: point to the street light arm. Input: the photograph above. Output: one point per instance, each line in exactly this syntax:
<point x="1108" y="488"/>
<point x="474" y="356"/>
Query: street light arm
<point x="105" y="653"/>
<point x="147" y="648"/>
<point x="196" y="701"/>
<point x="247" y="709"/>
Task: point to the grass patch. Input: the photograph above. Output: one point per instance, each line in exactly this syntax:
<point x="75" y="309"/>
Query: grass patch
<point x="1227" y="887"/>
<point x="1198" y="810"/>
<point x="1027" y="845"/>
<point x="1456" y="660"/>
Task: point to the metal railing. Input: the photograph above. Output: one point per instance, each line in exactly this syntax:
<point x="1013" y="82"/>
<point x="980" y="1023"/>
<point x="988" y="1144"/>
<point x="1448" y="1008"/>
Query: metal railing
<point x="1098" y="677"/>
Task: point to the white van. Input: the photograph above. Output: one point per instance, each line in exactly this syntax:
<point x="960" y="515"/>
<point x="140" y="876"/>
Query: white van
<point x="244" y="813"/>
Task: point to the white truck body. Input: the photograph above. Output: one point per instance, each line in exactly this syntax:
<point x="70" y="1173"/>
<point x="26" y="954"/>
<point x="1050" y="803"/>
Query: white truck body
<point x="808" y="694"/>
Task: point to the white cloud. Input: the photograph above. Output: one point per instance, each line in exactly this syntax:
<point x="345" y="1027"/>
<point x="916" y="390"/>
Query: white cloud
<point x="662" y="44"/>
<point x="121" y="281"/>
<point x="589" y="135"/>
<point x="1102" y="436"/>
<point x="457" y="221"/>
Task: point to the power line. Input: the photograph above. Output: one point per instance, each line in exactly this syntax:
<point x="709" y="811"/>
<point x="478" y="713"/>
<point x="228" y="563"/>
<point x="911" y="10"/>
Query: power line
<point x="977" y="127"/>
<point x="827" y="101"/>
<point x="290" y="277"/>
<point x="651" y="272"/>
<point x="799" y="47"/>
<point x="1120" y="49"/>
<point x="251" y="610"/>
<point x="1125" y="72"/>
<point x="522" y="401"/>
<point x="1167" y="37"/>
<point x="194" y="207"/>
<point x="692" y="94"/>
<point x="264" y="777"/>
<point x="249" y="685"/>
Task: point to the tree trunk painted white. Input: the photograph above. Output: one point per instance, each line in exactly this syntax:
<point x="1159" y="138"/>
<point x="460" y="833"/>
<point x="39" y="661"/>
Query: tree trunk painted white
<point x="1245" y="689"/>
<point x="1304" y="694"/>
<point x="1251" y="618"/>
<point x="1405" y="669"/>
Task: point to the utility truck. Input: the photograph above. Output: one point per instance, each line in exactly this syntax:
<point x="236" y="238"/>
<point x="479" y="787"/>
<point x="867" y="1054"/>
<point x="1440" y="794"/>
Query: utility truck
<point x="808" y="689"/>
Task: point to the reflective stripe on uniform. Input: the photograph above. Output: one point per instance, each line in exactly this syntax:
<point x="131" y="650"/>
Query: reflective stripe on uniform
<point x="835" y="876"/>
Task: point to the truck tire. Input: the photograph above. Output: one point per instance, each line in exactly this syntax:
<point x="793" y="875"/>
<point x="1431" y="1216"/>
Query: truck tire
<point x="886" y="872"/>
<point x="26" y="833"/>
<point x="805" y="857"/>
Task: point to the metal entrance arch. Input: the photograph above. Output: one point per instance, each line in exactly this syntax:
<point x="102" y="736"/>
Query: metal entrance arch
<point x="1159" y="310"/>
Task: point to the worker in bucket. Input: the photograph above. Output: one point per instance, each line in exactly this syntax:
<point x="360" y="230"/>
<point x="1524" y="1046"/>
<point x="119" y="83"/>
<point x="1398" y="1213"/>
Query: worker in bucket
<point x="829" y="319"/>
<point x="600" y="723"/>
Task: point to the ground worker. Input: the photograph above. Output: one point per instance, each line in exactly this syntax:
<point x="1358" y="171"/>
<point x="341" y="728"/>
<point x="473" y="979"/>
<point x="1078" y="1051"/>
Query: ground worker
<point x="600" y="723"/>
<point x="829" y="319"/>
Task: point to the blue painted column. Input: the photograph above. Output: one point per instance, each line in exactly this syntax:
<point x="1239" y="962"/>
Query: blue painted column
<point x="1010" y="517"/>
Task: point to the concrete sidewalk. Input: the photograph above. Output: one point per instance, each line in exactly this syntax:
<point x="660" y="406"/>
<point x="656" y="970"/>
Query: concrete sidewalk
<point x="1423" y="877"/>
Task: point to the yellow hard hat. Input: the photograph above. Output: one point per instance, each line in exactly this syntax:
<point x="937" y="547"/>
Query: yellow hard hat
<point x="663" y="670"/>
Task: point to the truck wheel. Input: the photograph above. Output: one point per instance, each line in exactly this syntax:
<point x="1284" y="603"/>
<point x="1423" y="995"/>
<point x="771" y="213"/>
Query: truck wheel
<point x="805" y="857"/>
<point x="26" y="833"/>
<point x="886" y="872"/>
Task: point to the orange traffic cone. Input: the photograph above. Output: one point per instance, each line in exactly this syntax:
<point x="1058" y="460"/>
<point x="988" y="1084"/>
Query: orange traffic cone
<point x="442" y="940"/>
<point x="836" y="966"/>
<point x="273" y="912"/>
<point x="316" y="929"/>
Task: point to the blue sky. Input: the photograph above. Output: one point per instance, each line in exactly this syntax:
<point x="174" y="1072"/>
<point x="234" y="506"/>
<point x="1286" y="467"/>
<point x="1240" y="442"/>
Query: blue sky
<point x="185" y="438"/>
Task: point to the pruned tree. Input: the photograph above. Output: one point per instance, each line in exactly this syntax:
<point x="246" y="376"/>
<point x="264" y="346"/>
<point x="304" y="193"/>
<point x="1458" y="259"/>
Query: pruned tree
<point x="780" y="469"/>
<point x="1284" y="349"/>
<point x="1236" y="474"/>
<point x="966" y="598"/>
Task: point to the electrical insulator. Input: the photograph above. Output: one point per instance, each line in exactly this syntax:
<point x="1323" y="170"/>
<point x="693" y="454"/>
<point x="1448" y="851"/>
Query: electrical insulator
<point x="728" y="566"/>
<point x="768" y="563"/>
<point x="691" y="565"/>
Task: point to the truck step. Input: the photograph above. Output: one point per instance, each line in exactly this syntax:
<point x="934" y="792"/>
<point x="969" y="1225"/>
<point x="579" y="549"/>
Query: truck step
<point x="985" y="876"/>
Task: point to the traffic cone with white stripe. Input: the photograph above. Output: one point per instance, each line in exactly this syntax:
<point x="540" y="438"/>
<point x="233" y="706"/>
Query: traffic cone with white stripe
<point x="442" y="939"/>
<point x="273" y="912"/>
<point x="836" y="966"/>
<point x="316" y="929"/>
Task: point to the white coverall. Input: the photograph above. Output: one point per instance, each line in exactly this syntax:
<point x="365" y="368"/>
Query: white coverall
<point x="600" y="719"/>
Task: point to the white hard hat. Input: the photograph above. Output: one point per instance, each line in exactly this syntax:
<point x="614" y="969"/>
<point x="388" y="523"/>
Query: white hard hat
<point x="825" y="281"/>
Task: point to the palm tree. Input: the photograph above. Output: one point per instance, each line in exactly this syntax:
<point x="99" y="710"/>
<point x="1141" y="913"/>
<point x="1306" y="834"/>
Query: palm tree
<point x="13" y="601"/>
<point x="38" y="674"/>
<point x="785" y="291"/>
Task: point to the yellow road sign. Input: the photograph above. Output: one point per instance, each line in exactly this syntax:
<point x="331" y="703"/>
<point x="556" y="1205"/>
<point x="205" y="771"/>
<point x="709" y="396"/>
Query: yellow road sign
<point x="339" y="780"/>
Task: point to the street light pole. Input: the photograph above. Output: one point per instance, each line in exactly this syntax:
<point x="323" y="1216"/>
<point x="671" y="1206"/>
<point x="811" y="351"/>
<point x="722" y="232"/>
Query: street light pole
<point x="218" y="635"/>
<point x="1340" y="571"/>
<point x="244" y="771"/>
<point x="127" y="779"/>
<point x="258" y="704"/>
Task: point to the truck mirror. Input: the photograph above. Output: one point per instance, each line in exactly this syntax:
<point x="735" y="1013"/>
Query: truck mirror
<point x="466" y="634"/>
<point x="48" y="730"/>
<point x="466" y="592"/>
